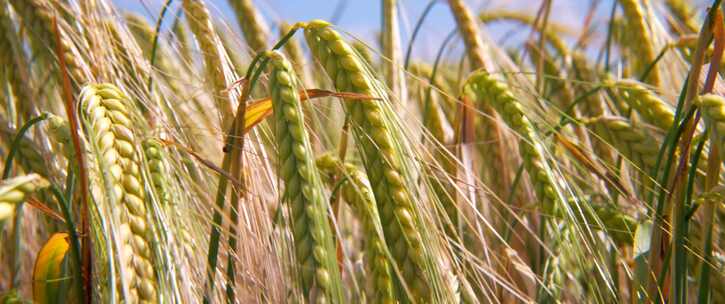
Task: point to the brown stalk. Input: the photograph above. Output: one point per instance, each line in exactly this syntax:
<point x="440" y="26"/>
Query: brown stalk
<point x="543" y="14"/>
<point x="265" y="106"/>
<point x="70" y="110"/>
<point x="209" y="164"/>
<point x="659" y="240"/>
<point x="602" y="172"/>
<point x="35" y="203"/>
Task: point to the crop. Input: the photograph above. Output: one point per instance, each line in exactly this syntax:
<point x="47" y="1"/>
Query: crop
<point x="180" y="154"/>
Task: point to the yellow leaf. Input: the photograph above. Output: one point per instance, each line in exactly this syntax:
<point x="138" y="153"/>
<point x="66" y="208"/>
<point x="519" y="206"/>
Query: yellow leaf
<point x="51" y="278"/>
<point x="259" y="109"/>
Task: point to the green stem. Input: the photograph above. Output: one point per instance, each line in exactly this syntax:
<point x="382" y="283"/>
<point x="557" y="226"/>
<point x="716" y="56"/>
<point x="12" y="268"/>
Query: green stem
<point x="17" y="231"/>
<point x="16" y="143"/>
<point x="233" y="139"/>
<point x="75" y="241"/>
<point x="155" y="43"/>
<point x="416" y="30"/>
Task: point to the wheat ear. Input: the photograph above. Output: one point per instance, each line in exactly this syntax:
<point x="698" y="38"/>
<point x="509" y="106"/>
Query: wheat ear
<point x="394" y="77"/>
<point x="15" y="190"/>
<point x="632" y="142"/>
<point x="200" y="24"/>
<point x="552" y="34"/>
<point x="155" y="155"/>
<point x="109" y="127"/>
<point x="713" y="110"/>
<point x="641" y="43"/>
<point x="382" y="161"/>
<point x="38" y="15"/>
<point x="488" y="89"/>
<point x="182" y="40"/>
<point x="684" y="13"/>
<point x="15" y="63"/>
<point x="293" y="50"/>
<point x="356" y="191"/>
<point x="313" y="236"/>
<point x="650" y="107"/>
<point x="255" y="31"/>
<point x="495" y="152"/>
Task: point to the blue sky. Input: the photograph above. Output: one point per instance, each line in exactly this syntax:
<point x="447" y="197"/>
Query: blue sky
<point x="362" y="17"/>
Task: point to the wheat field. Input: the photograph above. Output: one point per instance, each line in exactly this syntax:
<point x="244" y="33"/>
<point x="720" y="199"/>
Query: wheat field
<point x="532" y="155"/>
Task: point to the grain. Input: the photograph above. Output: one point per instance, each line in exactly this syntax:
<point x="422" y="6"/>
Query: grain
<point x="641" y="43"/>
<point x="110" y="130"/>
<point x="608" y="218"/>
<point x="60" y="134"/>
<point x="712" y="108"/>
<point x="15" y="64"/>
<point x="488" y="89"/>
<point x="255" y="31"/>
<point x="15" y="190"/>
<point x="469" y="32"/>
<point x="632" y="142"/>
<point x="394" y="77"/>
<point x="182" y="40"/>
<point x="355" y="190"/>
<point x="382" y="161"/>
<point x="200" y="24"/>
<point x="231" y="47"/>
<point x="494" y="136"/>
<point x="313" y="237"/>
<point x="683" y="12"/>
<point x="650" y="107"/>
<point x="364" y="52"/>
<point x="37" y="15"/>
<point x="293" y="50"/>
<point x="158" y="169"/>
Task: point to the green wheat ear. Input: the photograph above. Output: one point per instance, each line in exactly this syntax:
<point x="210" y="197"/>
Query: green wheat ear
<point x="303" y="193"/>
<point x="377" y="143"/>
<point x="15" y="190"/>
<point x="713" y="110"/>
<point x="650" y="107"/>
<point x="488" y="89"/>
<point x="355" y="190"/>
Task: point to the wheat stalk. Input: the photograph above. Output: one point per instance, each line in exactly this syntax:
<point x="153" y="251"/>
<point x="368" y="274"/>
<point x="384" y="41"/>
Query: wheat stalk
<point x="29" y="152"/>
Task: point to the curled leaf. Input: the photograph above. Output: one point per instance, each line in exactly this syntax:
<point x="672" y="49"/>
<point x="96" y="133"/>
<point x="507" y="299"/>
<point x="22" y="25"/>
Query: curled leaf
<point x="51" y="275"/>
<point x="259" y="109"/>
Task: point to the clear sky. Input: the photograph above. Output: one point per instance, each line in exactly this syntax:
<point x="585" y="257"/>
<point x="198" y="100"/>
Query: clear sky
<point x="362" y="17"/>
